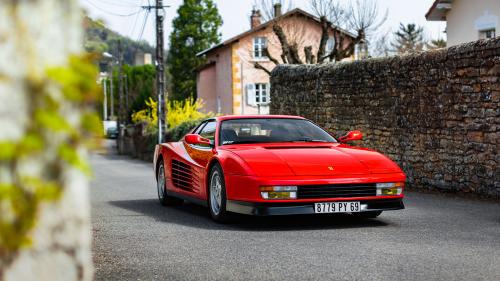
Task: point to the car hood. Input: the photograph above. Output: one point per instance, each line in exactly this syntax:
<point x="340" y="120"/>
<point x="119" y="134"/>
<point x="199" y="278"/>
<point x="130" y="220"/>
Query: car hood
<point x="313" y="160"/>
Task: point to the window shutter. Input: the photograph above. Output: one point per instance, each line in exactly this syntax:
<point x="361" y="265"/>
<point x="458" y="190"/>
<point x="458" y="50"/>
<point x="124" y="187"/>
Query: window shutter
<point x="250" y="93"/>
<point x="268" y="92"/>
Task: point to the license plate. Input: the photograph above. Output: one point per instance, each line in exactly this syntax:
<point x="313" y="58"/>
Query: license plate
<point x="337" y="207"/>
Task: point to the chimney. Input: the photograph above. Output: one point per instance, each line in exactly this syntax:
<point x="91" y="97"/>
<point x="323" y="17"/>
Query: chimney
<point x="277" y="10"/>
<point x="255" y="18"/>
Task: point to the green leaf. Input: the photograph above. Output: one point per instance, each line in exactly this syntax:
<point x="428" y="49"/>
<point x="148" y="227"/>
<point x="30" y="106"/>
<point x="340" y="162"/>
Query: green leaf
<point x="7" y="151"/>
<point x="71" y="156"/>
<point x="51" y="120"/>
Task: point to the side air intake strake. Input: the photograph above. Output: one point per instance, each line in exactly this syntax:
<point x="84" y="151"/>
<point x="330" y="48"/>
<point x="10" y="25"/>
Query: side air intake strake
<point x="182" y="176"/>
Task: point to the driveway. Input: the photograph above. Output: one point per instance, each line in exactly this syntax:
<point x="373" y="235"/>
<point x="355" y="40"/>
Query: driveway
<point x="135" y="238"/>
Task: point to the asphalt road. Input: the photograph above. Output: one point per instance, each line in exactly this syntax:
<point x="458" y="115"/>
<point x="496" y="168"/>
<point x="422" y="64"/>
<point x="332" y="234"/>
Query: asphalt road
<point x="135" y="238"/>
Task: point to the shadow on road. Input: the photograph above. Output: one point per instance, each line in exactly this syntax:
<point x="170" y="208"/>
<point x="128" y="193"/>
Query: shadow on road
<point x="197" y="216"/>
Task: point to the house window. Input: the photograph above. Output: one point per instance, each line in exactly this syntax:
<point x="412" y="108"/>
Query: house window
<point x="257" y="94"/>
<point x="259" y="44"/>
<point x="261" y="93"/>
<point x="330" y="44"/>
<point x="487" y="34"/>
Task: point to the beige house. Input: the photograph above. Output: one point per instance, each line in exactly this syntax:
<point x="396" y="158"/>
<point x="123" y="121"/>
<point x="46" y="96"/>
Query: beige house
<point x="230" y="84"/>
<point x="466" y="20"/>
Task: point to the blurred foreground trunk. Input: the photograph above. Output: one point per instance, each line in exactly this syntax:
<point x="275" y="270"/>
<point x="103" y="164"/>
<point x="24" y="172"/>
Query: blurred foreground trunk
<point x="44" y="209"/>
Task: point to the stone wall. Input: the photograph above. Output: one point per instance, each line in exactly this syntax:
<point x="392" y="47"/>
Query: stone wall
<point x="435" y="113"/>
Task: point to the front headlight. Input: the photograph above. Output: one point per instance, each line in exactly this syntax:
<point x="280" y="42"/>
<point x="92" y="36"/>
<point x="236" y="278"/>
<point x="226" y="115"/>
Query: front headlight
<point x="278" y="192"/>
<point x="390" y="188"/>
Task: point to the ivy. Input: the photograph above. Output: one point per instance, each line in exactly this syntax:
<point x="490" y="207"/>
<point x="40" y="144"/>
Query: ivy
<point x="62" y="121"/>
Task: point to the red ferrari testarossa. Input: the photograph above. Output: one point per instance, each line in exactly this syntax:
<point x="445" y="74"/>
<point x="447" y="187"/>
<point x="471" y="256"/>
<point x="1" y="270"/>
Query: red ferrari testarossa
<point x="275" y="165"/>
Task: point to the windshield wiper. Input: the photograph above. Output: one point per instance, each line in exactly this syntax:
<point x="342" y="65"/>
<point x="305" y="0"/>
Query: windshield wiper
<point x="239" y="142"/>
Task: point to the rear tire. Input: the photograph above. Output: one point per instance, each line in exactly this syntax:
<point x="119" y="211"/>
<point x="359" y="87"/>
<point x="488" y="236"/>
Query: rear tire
<point x="367" y="215"/>
<point x="217" y="198"/>
<point x="161" y="185"/>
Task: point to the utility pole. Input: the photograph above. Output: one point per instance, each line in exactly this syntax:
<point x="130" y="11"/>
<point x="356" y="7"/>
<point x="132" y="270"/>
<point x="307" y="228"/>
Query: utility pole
<point x="160" y="70"/>
<point x="126" y="98"/>
<point x="121" y="105"/>
<point x="111" y="96"/>
<point x="105" y="101"/>
<point x="160" y="67"/>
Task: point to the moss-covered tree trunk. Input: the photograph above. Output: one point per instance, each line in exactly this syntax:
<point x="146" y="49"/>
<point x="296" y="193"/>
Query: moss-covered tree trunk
<point x="46" y="94"/>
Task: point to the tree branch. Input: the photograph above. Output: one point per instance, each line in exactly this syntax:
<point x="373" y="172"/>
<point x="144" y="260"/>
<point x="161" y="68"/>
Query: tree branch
<point x="283" y="41"/>
<point x="261" y="67"/>
<point x="289" y="51"/>
<point x="268" y="55"/>
<point x="324" y="39"/>
<point x="309" y="56"/>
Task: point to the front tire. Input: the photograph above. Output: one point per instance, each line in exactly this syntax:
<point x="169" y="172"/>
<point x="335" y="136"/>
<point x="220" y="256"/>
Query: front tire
<point x="161" y="181"/>
<point x="217" y="199"/>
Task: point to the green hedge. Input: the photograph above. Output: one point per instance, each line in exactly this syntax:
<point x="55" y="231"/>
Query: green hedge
<point x="175" y="134"/>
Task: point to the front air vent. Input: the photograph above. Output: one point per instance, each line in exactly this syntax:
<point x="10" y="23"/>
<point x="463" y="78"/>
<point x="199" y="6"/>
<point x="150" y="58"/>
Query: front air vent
<point x="182" y="176"/>
<point x="337" y="191"/>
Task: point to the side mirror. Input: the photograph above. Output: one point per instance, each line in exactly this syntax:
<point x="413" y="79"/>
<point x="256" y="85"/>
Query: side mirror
<point x="351" y="136"/>
<point x="196" y="140"/>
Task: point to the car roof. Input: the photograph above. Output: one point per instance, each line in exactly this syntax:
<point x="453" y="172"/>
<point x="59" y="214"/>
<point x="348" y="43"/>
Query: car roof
<point x="233" y="117"/>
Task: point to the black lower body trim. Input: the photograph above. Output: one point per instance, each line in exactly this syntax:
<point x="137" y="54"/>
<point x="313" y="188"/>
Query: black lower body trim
<point x="187" y="198"/>
<point x="276" y="209"/>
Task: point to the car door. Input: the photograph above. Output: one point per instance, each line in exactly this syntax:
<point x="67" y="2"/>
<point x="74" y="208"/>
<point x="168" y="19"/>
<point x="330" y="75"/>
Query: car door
<point x="201" y="154"/>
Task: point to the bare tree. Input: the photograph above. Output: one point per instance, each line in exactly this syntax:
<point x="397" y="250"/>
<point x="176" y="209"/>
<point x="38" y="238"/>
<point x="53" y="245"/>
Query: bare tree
<point x="361" y="16"/>
<point x="381" y="46"/>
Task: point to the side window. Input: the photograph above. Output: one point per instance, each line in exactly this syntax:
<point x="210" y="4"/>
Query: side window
<point x="198" y="129"/>
<point x="208" y="130"/>
<point x="261" y="93"/>
<point x="486" y="34"/>
<point x="259" y="44"/>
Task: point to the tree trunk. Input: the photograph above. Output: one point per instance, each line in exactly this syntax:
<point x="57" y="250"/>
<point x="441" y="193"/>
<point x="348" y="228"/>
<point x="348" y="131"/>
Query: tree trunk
<point x="325" y="25"/>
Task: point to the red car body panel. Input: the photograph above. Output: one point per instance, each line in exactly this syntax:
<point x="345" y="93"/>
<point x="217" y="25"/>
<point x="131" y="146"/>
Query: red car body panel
<point x="247" y="167"/>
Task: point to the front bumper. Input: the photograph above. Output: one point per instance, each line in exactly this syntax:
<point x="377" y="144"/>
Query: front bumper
<point x="276" y="209"/>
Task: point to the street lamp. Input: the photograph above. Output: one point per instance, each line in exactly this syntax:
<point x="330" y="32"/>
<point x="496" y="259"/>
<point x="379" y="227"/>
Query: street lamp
<point x="112" y="60"/>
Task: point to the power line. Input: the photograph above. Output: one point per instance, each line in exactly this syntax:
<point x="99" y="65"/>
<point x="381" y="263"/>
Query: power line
<point x="112" y="13"/>
<point x="121" y="4"/>
<point x="143" y="25"/>
<point x="131" y="34"/>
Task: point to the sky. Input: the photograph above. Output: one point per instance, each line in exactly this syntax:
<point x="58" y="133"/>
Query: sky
<point x="127" y="17"/>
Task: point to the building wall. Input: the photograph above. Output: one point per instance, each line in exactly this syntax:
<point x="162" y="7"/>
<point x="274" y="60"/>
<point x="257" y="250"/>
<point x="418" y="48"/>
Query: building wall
<point x="237" y="87"/>
<point x="234" y="66"/>
<point x="223" y="82"/>
<point x="435" y="113"/>
<point x="304" y="31"/>
<point x="462" y="18"/>
<point x="206" y="88"/>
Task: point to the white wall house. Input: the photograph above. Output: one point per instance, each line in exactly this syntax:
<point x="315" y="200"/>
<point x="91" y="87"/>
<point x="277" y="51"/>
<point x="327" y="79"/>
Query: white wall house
<point x="467" y="20"/>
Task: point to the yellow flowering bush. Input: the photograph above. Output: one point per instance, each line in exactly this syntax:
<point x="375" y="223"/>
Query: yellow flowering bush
<point x="177" y="113"/>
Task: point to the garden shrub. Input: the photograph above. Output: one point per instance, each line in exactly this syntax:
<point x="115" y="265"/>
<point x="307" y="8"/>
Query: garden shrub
<point x="176" y="133"/>
<point x="182" y="116"/>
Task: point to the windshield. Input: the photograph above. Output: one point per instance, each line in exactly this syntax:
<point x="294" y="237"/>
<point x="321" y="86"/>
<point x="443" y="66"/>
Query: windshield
<point x="266" y="130"/>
